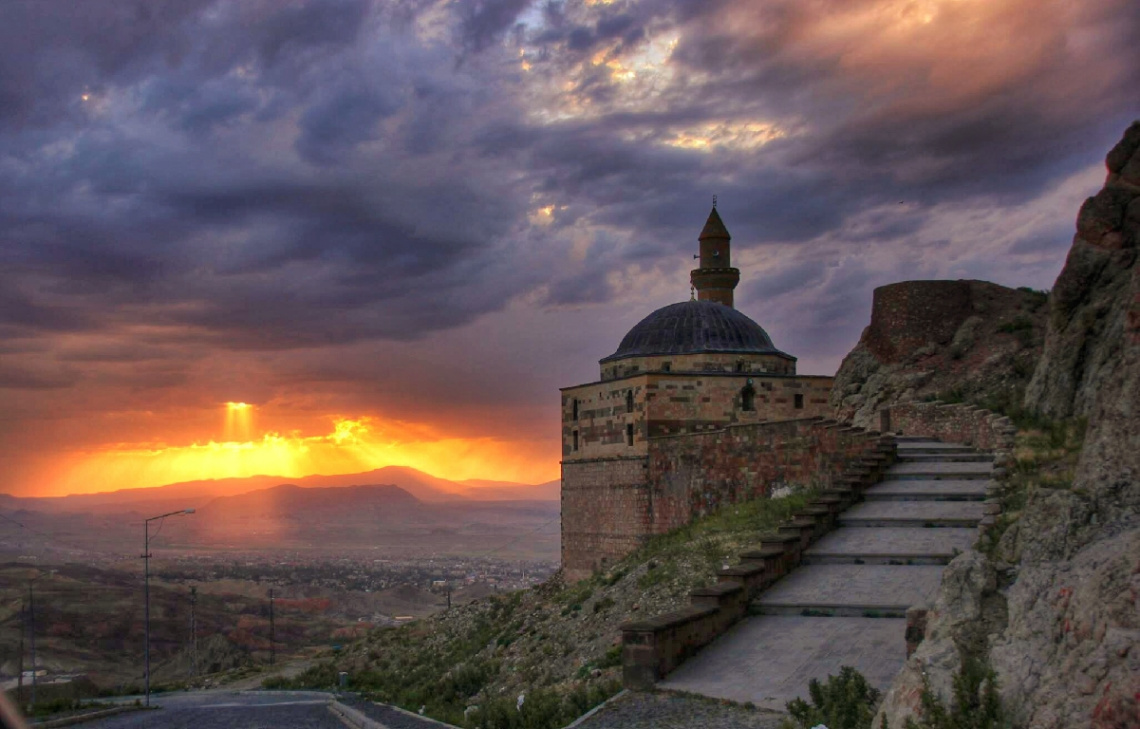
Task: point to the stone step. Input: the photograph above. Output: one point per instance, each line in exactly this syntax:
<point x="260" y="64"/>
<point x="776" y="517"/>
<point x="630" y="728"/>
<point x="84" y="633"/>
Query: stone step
<point x="931" y="471"/>
<point x="937" y="490"/>
<point x="946" y="457"/>
<point x="849" y="590"/>
<point x="931" y="446"/>
<point x="907" y="439"/>
<point x="890" y="546"/>
<point x="770" y="660"/>
<point x="914" y="514"/>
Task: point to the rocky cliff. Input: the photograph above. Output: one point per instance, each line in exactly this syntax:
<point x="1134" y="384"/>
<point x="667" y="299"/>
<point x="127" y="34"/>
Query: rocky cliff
<point x="1089" y="304"/>
<point x="1053" y="605"/>
<point x="965" y="339"/>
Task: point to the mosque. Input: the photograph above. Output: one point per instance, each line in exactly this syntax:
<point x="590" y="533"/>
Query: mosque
<point x="686" y="370"/>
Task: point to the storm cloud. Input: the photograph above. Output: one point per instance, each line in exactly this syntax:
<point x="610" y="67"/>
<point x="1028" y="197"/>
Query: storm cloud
<point x="201" y="196"/>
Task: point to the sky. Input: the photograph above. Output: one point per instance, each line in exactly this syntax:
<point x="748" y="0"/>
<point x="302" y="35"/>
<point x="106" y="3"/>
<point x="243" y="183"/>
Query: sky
<point x="386" y="232"/>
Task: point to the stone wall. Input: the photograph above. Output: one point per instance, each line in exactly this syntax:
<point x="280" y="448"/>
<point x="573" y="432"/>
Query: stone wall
<point x="611" y="506"/>
<point x="908" y="315"/>
<point x="605" y="512"/>
<point x="669" y="404"/>
<point x="693" y="475"/>
<point x="776" y="364"/>
<point x="951" y="423"/>
<point x="603" y="417"/>
<point x="688" y="404"/>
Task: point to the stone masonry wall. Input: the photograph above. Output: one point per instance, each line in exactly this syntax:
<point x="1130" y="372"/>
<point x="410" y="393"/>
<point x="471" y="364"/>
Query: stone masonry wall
<point x="908" y="315"/>
<point x="693" y="475"/>
<point x="951" y="423"/>
<point x="603" y="416"/>
<point x="611" y="506"/>
<point x="705" y="362"/>
<point x="684" y="404"/>
<point x="605" y="512"/>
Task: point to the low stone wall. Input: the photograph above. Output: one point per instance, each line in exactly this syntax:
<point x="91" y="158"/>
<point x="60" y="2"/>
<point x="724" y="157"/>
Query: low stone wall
<point x="952" y="423"/>
<point x="654" y="647"/>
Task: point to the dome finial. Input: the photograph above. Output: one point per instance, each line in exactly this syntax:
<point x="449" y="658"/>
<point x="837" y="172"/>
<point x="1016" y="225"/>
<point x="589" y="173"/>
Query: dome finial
<point x="714" y="202"/>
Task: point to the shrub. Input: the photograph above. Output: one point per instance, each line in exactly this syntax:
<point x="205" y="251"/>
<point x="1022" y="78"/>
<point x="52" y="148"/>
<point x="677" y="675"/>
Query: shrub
<point x="975" y="705"/>
<point x="846" y="701"/>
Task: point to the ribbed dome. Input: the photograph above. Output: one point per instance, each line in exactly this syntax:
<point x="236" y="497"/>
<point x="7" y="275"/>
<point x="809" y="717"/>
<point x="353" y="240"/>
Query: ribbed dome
<point x="694" y="327"/>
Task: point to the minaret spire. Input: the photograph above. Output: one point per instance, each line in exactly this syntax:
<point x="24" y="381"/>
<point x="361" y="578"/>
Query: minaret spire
<point x="715" y="278"/>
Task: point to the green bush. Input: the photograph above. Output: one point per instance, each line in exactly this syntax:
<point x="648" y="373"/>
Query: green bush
<point x="846" y="701"/>
<point x="975" y="705"/>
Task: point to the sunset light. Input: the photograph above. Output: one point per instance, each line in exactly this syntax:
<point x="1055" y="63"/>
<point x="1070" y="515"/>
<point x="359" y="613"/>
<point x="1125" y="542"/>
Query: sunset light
<point x="352" y="446"/>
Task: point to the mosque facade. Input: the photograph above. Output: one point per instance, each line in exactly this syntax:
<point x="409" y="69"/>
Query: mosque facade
<point x="689" y="370"/>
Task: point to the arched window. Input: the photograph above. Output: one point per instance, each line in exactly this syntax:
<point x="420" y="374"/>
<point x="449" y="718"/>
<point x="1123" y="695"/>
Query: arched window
<point x="748" y="397"/>
<point x="629" y="401"/>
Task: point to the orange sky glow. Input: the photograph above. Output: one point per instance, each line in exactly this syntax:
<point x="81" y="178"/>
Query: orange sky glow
<point x="353" y="445"/>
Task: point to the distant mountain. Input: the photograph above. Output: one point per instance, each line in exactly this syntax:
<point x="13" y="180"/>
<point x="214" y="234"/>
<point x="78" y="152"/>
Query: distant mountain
<point x="196" y="494"/>
<point x="484" y="490"/>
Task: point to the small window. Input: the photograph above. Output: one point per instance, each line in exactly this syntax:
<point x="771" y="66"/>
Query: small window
<point x="666" y="366"/>
<point x="575" y="440"/>
<point x="629" y="434"/>
<point x="739" y="366"/>
<point x="799" y="402"/>
<point x="575" y="408"/>
<point x="748" y="397"/>
<point x="629" y="401"/>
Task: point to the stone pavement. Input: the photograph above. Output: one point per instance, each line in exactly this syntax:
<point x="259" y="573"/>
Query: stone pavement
<point x="845" y="605"/>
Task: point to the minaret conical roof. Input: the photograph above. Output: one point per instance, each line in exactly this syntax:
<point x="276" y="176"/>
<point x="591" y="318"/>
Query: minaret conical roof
<point x="714" y="227"/>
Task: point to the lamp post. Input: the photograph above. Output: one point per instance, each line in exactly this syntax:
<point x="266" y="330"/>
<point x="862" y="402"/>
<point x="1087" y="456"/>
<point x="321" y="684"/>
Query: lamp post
<point x="146" y="585"/>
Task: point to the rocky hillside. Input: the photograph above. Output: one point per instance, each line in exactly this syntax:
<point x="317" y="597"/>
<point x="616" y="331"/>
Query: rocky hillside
<point x="947" y="339"/>
<point x="1052" y="604"/>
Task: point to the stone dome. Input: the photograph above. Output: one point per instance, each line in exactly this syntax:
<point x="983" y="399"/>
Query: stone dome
<point x="694" y="327"/>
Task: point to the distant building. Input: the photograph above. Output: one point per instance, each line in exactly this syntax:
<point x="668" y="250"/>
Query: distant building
<point x="690" y="368"/>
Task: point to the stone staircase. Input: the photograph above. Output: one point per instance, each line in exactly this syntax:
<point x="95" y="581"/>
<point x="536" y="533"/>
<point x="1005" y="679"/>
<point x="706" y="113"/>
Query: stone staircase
<point x="846" y="603"/>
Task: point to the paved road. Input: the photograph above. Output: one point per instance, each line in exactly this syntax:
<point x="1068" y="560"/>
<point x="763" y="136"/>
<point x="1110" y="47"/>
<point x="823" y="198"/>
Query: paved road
<point x="229" y="710"/>
<point x="660" y="710"/>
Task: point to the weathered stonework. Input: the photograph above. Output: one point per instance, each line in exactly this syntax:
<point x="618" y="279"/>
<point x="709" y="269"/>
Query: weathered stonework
<point x="611" y="506"/>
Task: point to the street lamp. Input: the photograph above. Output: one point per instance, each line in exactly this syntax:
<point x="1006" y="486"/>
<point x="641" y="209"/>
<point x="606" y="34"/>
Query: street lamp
<point x="146" y="583"/>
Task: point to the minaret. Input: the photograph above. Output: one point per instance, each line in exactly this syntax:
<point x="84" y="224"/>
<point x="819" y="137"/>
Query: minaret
<point x="716" y="278"/>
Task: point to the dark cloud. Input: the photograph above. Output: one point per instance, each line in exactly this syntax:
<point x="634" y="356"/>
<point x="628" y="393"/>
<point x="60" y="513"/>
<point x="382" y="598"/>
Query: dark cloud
<point x="254" y="180"/>
<point x="485" y="20"/>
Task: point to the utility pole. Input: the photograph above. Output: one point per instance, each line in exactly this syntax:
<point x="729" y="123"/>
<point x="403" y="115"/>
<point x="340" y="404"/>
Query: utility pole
<point x="448" y="595"/>
<point x="20" y="662"/>
<point x="32" y="624"/>
<point x="272" y="650"/>
<point x="146" y="590"/>
<point x="193" y="633"/>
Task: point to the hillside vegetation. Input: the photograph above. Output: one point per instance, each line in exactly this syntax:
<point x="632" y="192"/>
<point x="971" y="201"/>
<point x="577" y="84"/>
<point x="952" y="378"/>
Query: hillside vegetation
<point x="557" y="645"/>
